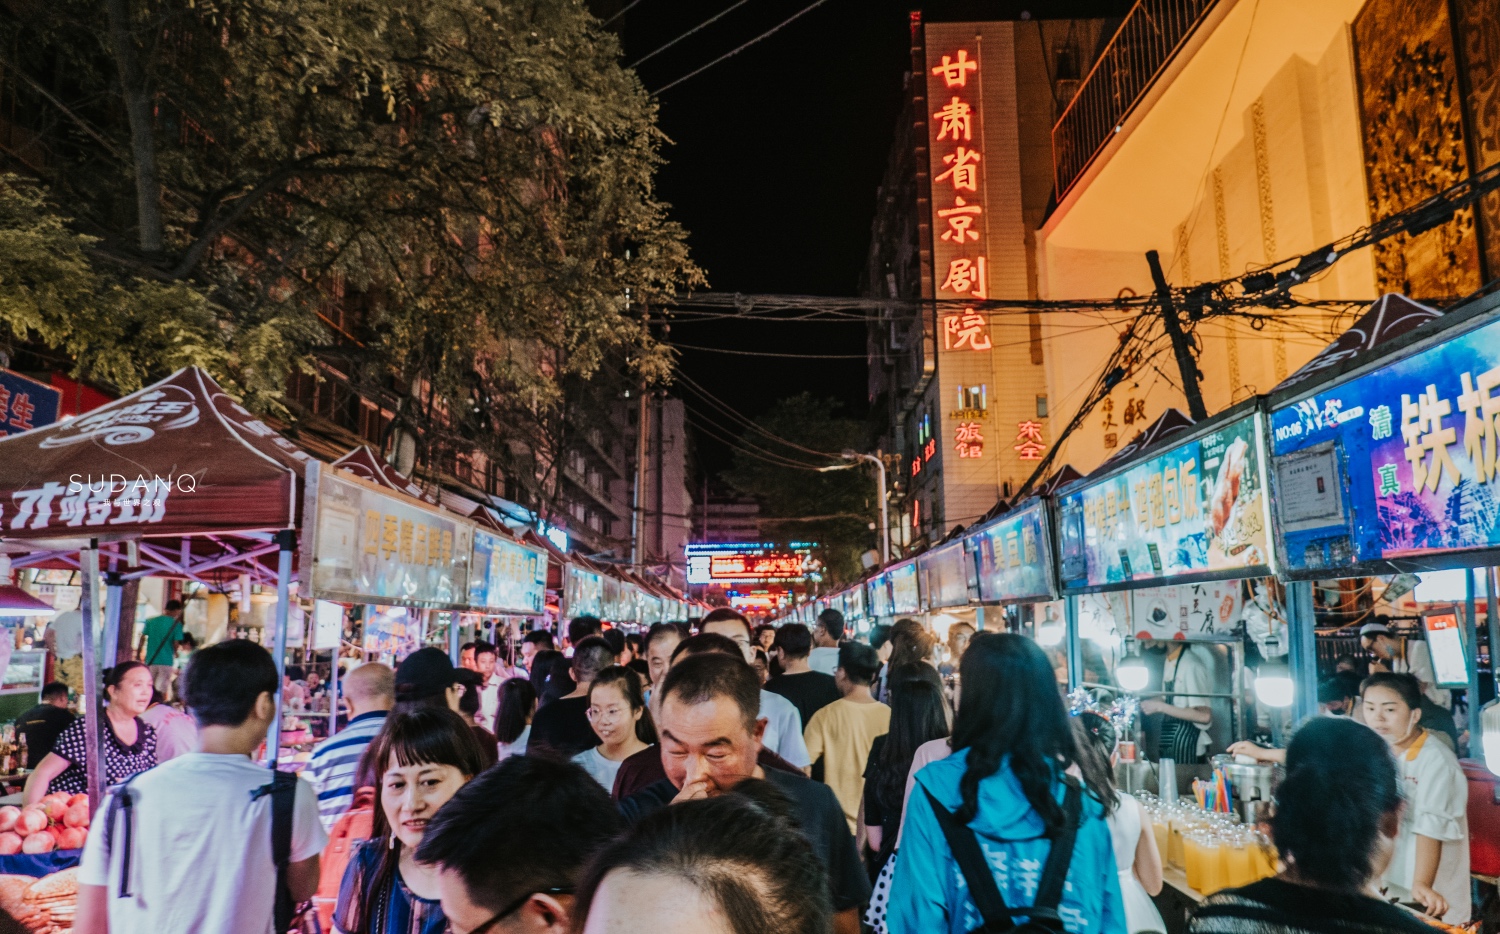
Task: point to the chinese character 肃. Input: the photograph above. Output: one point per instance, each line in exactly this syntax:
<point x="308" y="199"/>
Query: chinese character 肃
<point x="956" y="117"/>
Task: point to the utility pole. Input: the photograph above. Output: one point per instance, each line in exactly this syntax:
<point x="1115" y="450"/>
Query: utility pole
<point x="1186" y="365"/>
<point x="642" y="426"/>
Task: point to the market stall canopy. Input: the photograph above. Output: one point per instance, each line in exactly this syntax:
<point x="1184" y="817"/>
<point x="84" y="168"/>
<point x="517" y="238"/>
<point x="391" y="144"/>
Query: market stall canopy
<point x="1171" y="423"/>
<point x="179" y="457"/>
<point x="367" y="465"/>
<point x="1388" y="318"/>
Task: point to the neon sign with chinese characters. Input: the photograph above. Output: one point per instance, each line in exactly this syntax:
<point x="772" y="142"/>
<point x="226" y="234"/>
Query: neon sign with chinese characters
<point x="958" y="205"/>
<point x="968" y="441"/>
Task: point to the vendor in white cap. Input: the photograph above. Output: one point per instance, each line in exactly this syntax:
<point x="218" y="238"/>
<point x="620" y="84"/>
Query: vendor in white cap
<point x="1415" y="659"/>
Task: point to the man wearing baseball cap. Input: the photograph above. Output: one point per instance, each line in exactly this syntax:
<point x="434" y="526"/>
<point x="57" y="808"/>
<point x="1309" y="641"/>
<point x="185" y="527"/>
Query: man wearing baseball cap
<point x="1414" y="659"/>
<point x="426" y="678"/>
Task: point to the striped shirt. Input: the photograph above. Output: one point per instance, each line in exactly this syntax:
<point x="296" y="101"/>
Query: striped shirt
<point x="331" y="768"/>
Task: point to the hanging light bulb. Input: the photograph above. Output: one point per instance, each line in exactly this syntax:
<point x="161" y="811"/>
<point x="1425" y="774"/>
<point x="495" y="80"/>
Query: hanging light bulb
<point x="1050" y="634"/>
<point x="1132" y="673"/>
<point x="1273" y="682"/>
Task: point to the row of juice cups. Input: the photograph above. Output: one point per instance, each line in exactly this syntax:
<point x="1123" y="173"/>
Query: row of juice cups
<point x="1211" y="848"/>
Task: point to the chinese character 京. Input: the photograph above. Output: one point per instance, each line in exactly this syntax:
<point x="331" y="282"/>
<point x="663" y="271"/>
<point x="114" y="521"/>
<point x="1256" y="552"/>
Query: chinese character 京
<point x="960" y="218"/>
<point x="1380" y="422"/>
<point x="966" y="277"/>
<point x="1422" y="429"/>
<point x="955" y="74"/>
<point x="966" y="329"/>
<point x="1031" y="446"/>
<point x="963" y="169"/>
<point x="957" y="118"/>
<point x="967" y="440"/>
<point x="21" y="411"/>
<point x="1389" y="485"/>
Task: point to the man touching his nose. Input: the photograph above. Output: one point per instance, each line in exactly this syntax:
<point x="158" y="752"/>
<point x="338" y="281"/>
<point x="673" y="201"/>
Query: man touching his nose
<point x="710" y="728"/>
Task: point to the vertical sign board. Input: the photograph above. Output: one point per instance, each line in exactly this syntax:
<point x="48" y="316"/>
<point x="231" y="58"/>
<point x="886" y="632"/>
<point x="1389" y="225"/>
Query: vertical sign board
<point x="1013" y="557"/>
<point x="25" y="403"/>
<point x="373" y="546"/>
<point x="1196" y="511"/>
<point x="1397" y="466"/>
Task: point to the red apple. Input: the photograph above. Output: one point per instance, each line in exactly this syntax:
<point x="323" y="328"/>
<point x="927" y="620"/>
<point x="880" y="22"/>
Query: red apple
<point x="8" y="816"/>
<point x="10" y="844"/>
<point x="40" y="842"/>
<point x="77" y="815"/>
<point x="32" y="819"/>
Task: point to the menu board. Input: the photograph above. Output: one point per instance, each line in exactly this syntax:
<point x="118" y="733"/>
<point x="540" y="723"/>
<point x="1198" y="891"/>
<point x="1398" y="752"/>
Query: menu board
<point x="507" y="577"/>
<point x="947" y="574"/>
<point x="854" y="602"/>
<point x="372" y="546"/>
<point x="1013" y="556"/>
<point x="1450" y="663"/>
<point x="1400" y="462"/>
<point x="391" y="634"/>
<point x="1196" y="511"/>
<point x="905" y="594"/>
<point x="584" y="593"/>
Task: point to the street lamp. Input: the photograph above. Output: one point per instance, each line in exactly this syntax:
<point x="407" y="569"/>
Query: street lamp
<point x="853" y="457"/>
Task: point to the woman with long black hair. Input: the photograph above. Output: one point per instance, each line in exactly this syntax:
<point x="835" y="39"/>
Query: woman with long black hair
<point x="420" y="758"/>
<point x="987" y="819"/>
<point x="1338" y="812"/>
<point x="919" y="714"/>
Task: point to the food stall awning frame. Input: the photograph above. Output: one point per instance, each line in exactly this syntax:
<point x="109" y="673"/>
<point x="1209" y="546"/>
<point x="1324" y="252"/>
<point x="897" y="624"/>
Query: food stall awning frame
<point x="1002" y="548"/>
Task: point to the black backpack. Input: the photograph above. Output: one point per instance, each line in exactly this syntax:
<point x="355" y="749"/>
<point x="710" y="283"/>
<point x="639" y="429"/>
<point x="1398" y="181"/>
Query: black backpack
<point x="1041" y="918"/>
<point x="283" y="791"/>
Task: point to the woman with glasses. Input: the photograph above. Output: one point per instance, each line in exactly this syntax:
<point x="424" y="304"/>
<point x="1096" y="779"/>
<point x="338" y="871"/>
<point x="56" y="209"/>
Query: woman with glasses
<point x="617" y="712"/>
<point x="421" y="758"/>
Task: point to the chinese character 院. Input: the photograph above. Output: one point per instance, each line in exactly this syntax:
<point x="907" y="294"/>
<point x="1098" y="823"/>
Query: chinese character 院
<point x="1380" y="422"/>
<point x="955" y="74"/>
<point x="965" y="330"/>
<point x="1422" y="429"/>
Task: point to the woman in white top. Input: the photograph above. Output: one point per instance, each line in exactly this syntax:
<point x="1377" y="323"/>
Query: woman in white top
<point x="1136" y="857"/>
<point x="513" y="715"/>
<point x="617" y="712"/>
<point x="1430" y="865"/>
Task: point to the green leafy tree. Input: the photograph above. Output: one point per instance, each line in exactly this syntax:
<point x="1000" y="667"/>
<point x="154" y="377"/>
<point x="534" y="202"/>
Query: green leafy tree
<point x="452" y="197"/>
<point x="842" y="501"/>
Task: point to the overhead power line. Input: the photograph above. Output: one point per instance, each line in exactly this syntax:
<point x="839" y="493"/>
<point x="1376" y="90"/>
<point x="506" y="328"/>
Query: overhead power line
<point x="737" y="50"/>
<point x="714" y="400"/>
<point x="626" y="9"/>
<point x="708" y="22"/>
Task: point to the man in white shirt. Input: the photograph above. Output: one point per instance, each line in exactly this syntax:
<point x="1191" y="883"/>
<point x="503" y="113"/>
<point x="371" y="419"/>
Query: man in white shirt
<point x="828" y="632"/>
<point x="195" y="847"/>
<point x="1415" y="660"/>
<point x="486" y="661"/>
<point x="64" y="639"/>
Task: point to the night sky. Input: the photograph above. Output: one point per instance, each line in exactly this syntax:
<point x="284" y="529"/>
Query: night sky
<point x="776" y="156"/>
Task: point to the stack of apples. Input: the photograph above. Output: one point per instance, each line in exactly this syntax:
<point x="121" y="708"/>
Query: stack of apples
<point x="59" y="821"/>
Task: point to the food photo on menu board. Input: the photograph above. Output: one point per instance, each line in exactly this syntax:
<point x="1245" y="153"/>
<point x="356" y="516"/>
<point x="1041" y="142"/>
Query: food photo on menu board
<point x="1400" y="462"/>
<point x="1198" y="508"/>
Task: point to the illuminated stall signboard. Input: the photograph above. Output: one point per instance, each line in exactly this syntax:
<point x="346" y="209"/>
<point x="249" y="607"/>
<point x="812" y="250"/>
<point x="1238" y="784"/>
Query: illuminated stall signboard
<point x="1196" y="511"/>
<point x="879" y="595"/>
<point x="751" y="563"/>
<point x="947" y="575"/>
<point x="906" y="597"/>
<point x="584" y="593"/>
<point x="506" y="577"/>
<point x="1013" y="556"/>
<point x="1396" y="465"/>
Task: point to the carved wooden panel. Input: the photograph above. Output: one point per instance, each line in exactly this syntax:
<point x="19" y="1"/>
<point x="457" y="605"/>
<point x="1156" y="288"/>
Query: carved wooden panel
<point x="1414" y="144"/>
<point x="1476" y="29"/>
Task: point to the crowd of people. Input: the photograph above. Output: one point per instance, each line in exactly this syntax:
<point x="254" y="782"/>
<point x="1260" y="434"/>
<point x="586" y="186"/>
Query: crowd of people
<point x="729" y="779"/>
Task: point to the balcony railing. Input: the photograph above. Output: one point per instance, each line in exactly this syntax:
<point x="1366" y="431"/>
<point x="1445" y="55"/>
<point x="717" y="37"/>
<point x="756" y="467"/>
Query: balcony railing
<point x="1151" y="34"/>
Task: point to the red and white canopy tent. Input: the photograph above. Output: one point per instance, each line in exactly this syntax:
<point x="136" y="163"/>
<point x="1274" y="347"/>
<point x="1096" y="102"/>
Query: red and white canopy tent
<point x="177" y="479"/>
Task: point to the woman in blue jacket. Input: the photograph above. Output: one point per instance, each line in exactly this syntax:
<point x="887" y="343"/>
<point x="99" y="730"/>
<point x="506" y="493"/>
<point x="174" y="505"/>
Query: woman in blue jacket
<point x="1005" y="781"/>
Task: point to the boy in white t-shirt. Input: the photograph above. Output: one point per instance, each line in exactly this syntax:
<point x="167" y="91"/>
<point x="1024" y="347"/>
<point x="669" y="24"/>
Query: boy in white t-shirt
<point x="200" y="840"/>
